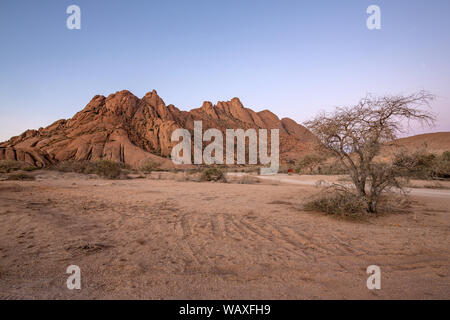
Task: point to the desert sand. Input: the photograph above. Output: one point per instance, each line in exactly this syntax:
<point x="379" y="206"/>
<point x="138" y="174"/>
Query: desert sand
<point x="169" y="239"/>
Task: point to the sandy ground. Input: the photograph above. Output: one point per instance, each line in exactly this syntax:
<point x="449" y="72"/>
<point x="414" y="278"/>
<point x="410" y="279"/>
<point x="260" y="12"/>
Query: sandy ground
<point x="166" y="239"/>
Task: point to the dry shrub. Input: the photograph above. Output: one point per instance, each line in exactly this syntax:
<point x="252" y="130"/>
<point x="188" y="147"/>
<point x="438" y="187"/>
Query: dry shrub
<point x="7" y="166"/>
<point x="177" y="176"/>
<point x="247" y="180"/>
<point x="340" y="201"/>
<point x="244" y="169"/>
<point x="309" y="163"/>
<point x="21" y="176"/>
<point x="330" y="168"/>
<point x="423" y="165"/>
<point x="149" y="165"/>
<point x="213" y="174"/>
<point x="394" y="203"/>
<point x="251" y="169"/>
<point x="71" y="166"/>
<point x="108" y="169"/>
<point x="336" y="201"/>
<point x="188" y="176"/>
<point x="104" y="168"/>
<point x="355" y="135"/>
<point x="210" y="174"/>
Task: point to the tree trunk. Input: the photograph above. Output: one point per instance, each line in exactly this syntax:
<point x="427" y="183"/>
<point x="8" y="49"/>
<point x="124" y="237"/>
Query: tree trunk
<point x="372" y="206"/>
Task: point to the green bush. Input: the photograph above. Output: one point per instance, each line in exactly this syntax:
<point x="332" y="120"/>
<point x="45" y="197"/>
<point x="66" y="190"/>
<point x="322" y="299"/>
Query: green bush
<point x="213" y="174"/>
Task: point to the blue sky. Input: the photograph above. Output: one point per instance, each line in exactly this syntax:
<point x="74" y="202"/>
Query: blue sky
<point x="291" y="57"/>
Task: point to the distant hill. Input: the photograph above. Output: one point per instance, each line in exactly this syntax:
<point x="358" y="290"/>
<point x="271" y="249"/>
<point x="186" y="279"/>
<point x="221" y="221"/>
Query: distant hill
<point x="431" y="142"/>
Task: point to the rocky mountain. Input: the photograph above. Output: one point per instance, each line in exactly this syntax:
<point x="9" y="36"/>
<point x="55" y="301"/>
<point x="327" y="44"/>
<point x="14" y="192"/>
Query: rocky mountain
<point x="124" y="128"/>
<point x="436" y="143"/>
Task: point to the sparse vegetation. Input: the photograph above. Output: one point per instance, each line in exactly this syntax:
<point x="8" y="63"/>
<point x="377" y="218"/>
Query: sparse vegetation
<point x="423" y="165"/>
<point x="309" y="164"/>
<point x="354" y="136"/>
<point x="7" y="166"/>
<point x="331" y="168"/>
<point x="246" y="179"/>
<point x="108" y="169"/>
<point x="149" y="166"/>
<point x="104" y="168"/>
<point x="316" y="164"/>
<point x="21" y="176"/>
<point x="245" y="169"/>
<point x="213" y="174"/>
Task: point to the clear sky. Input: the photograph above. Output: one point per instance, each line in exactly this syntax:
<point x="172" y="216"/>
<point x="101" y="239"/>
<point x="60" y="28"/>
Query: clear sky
<point x="291" y="57"/>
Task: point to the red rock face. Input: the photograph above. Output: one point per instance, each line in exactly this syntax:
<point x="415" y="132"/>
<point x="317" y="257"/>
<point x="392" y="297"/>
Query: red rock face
<point x="124" y="128"/>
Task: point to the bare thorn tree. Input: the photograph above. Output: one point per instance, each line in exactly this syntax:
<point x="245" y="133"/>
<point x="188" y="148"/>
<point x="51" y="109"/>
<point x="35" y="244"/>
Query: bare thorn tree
<point x="355" y="134"/>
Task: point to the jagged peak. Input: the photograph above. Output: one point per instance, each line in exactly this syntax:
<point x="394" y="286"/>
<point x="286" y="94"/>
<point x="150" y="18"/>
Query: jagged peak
<point x="151" y="93"/>
<point x="120" y="94"/>
<point x="236" y="102"/>
<point x="153" y="99"/>
<point x="98" y="97"/>
<point x="207" y="105"/>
